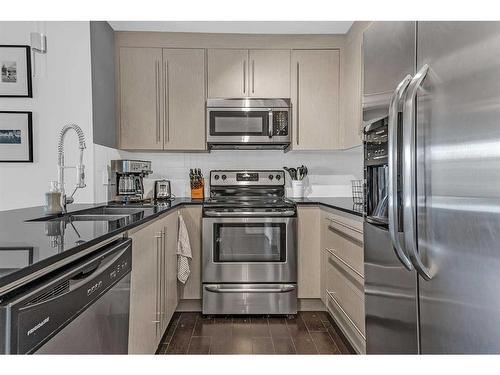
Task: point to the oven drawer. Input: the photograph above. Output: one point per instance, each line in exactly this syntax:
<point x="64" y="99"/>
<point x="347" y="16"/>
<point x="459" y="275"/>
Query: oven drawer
<point x="249" y="298"/>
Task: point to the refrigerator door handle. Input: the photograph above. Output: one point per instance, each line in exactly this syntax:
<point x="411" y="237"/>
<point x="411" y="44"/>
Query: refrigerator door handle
<point x="393" y="216"/>
<point x="409" y="175"/>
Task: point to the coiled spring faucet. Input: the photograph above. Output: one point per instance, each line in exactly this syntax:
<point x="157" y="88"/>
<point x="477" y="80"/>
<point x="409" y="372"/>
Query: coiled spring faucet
<point x="80" y="168"/>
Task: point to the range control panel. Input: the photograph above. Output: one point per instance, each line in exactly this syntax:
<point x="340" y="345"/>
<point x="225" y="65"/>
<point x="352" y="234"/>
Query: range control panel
<point x="247" y="177"/>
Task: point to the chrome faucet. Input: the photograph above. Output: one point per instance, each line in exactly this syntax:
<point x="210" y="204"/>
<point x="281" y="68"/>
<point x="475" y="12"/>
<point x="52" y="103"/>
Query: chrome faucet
<point x="80" y="168"/>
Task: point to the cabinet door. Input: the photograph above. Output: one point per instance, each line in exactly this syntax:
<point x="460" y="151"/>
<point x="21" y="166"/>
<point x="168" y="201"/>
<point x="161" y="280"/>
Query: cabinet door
<point x="172" y="229"/>
<point x="227" y="73"/>
<point x="309" y="255"/>
<point x="143" y="322"/>
<point x="140" y="113"/>
<point x="351" y="87"/>
<point x="184" y="99"/>
<point x="269" y="73"/>
<point x="315" y="99"/>
<point x="192" y="218"/>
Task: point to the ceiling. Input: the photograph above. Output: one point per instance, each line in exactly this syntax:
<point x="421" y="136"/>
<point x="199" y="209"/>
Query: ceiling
<point x="237" y="27"/>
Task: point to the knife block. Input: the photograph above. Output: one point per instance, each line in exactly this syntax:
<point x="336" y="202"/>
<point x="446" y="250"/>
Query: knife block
<point x="198" y="190"/>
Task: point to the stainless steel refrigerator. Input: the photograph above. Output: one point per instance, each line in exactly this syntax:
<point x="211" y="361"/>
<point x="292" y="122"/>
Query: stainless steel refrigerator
<point x="432" y="216"/>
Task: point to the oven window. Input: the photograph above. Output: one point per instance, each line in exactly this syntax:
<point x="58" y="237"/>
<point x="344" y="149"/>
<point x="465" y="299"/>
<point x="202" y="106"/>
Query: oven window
<point x="239" y="123"/>
<point x="250" y="242"/>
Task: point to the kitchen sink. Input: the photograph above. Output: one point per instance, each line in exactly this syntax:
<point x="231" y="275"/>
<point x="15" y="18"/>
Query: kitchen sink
<point x="105" y="213"/>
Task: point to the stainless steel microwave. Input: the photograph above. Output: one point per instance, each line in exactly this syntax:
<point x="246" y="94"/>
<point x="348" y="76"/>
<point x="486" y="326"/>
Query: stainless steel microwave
<point x="248" y="123"/>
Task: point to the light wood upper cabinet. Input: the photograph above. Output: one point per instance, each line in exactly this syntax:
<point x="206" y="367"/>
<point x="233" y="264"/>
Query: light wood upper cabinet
<point x="184" y="99"/>
<point x="351" y="134"/>
<point x="258" y="73"/>
<point x="315" y="99"/>
<point x="227" y="73"/>
<point x="269" y="73"/>
<point x="162" y="99"/>
<point x="140" y="117"/>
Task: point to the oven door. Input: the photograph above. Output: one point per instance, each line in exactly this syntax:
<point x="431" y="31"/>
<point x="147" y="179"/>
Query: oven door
<point x="249" y="250"/>
<point x="247" y="125"/>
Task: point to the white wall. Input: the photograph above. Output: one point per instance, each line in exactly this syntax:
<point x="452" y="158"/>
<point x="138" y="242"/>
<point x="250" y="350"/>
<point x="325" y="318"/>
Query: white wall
<point x="330" y="173"/>
<point x="61" y="94"/>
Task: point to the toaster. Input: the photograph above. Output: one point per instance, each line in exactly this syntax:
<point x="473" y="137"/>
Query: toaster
<point x="162" y="190"/>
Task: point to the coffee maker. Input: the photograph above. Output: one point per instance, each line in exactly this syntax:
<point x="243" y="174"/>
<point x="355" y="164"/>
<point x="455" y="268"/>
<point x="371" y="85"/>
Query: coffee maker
<point x="127" y="177"/>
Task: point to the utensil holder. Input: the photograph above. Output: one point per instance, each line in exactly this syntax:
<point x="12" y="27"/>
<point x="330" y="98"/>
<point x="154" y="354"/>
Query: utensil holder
<point x="298" y="188"/>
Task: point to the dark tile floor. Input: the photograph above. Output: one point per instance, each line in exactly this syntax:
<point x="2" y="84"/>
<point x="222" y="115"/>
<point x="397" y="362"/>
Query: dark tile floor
<point x="305" y="333"/>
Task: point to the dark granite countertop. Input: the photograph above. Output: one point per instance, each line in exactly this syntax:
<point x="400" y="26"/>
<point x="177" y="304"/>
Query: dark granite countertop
<point x="30" y="246"/>
<point x="339" y="203"/>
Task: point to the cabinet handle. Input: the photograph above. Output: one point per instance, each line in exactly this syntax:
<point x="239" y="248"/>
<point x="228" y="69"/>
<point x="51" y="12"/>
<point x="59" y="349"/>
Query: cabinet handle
<point x="166" y="107"/>
<point x="332" y="252"/>
<point x="253" y="76"/>
<point x="342" y="233"/>
<point x="157" y="79"/>
<point x="298" y="101"/>
<point x="330" y="294"/>
<point x="345" y="225"/>
<point x="244" y="76"/>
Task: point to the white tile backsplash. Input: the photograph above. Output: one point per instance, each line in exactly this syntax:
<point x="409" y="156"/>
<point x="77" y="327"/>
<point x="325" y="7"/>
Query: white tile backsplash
<point x="330" y="172"/>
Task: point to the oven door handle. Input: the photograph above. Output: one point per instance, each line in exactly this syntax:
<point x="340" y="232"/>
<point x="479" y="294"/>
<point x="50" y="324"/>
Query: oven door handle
<point x="250" y="213"/>
<point x="218" y="289"/>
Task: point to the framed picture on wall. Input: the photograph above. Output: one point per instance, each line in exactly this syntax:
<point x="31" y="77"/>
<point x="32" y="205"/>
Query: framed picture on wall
<point x="16" y="137"/>
<point x="15" y="72"/>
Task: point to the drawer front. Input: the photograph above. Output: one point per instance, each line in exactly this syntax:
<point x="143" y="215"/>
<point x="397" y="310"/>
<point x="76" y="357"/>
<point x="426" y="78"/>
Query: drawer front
<point x="346" y="289"/>
<point x="249" y="299"/>
<point x="353" y="334"/>
<point x="347" y="244"/>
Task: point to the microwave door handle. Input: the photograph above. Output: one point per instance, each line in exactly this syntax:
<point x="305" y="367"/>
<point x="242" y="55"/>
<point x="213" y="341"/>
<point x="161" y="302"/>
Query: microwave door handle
<point x="409" y="176"/>
<point x="393" y="216"/>
<point x="270" y="125"/>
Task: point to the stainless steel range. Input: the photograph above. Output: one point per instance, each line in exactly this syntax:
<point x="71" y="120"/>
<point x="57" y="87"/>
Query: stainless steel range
<point x="249" y="244"/>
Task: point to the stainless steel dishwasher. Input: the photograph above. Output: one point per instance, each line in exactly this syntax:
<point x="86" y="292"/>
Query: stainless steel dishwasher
<point x="83" y="309"/>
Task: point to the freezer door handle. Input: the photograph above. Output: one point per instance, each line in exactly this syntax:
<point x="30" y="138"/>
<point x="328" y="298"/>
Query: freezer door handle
<point x="393" y="216"/>
<point x="409" y="175"/>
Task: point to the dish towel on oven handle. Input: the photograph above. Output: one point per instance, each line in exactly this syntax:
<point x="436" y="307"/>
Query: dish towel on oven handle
<point x="183" y="252"/>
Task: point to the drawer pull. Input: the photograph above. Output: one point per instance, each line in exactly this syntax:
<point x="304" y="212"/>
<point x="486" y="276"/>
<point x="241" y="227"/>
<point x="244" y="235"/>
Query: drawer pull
<point x="354" y="239"/>
<point x="345" y="225"/>
<point x="345" y="263"/>
<point x="330" y="294"/>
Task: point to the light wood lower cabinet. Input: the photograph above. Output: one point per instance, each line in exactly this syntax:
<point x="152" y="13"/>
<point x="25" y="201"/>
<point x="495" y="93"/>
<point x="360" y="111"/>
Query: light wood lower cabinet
<point x="153" y="296"/>
<point x="144" y="290"/>
<point x="308" y="253"/>
<point x="342" y="273"/>
<point x="192" y="289"/>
